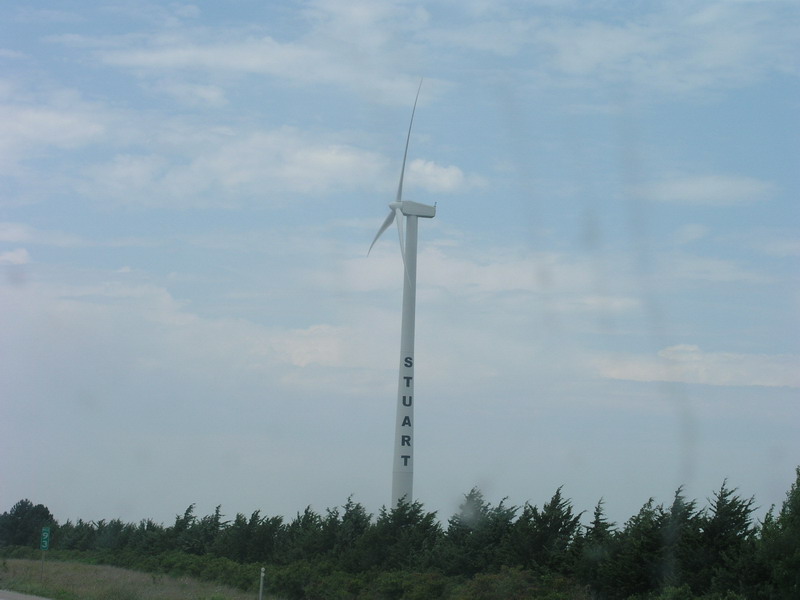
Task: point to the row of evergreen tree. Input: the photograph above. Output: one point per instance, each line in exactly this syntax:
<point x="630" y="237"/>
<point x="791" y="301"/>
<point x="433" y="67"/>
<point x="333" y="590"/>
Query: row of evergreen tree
<point x="717" y="551"/>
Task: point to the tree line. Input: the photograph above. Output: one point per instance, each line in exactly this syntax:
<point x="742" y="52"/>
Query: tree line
<point x="665" y="551"/>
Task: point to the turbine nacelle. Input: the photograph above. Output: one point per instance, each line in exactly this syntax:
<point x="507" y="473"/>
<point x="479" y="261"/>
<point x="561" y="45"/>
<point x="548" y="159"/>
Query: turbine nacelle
<point x="408" y="209"/>
<point x="414" y="209"/>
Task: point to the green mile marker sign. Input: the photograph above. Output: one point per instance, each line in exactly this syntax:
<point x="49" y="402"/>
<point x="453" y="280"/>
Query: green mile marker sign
<point x="45" y="541"/>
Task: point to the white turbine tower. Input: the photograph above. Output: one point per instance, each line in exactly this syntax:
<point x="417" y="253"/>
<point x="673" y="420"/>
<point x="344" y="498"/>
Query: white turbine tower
<point x="403" y="469"/>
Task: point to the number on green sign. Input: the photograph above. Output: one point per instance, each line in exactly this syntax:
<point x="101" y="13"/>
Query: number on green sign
<point x="45" y="540"/>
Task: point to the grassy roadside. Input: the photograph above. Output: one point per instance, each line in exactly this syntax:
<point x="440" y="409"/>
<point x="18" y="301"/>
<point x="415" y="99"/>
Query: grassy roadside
<point x="77" y="581"/>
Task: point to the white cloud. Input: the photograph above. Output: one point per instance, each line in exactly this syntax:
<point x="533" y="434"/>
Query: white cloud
<point x="45" y="15"/>
<point x="318" y="344"/>
<point x="194" y="94"/>
<point x="699" y="268"/>
<point x="128" y="179"/>
<point x="155" y="161"/>
<point x="19" y="256"/>
<point x="143" y="324"/>
<point x="152" y="332"/>
<point x="686" y="363"/>
<point x="12" y="54"/>
<point x="255" y="55"/>
<point x="21" y="233"/>
<point x="591" y="47"/>
<point x="380" y="48"/>
<point x="226" y="170"/>
<point x="364" y="23"/>
<point x="677" y="48"/>
<point x="707" y="190"/>
<point x="362" y="46"/>
<point x="601" y="304"/>
<point x="783" y="248"/>
<point x="30" y="130"/>
<point x="503" y="38"/>
<point x="506" y="270"/>
<point x="436" y="178"/>
<point x="691" y="232"/>
<point x="317" y="60"/>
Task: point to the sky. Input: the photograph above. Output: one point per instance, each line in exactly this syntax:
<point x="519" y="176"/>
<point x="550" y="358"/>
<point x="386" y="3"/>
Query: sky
<point x="608" y="297"/>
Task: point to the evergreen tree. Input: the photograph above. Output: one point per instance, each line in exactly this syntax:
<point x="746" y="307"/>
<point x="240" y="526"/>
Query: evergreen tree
<point x="179" y="532"/>
<point x="111" y="535"/>
<point x="635" y="565"/>
<point x="683" y="543"/>
<point x="262" y="538"/>
<point x="236" y="540"/>
<point x="780" y="545"/>
<point x="476" y="536"/>
<point x="595" y="549"/>
<point x="201" y="535"/>
<point x="403" y="537"/>
<point x="352" y="526"/>
<point x="302" y="538"/>
<point x="149" y="538"/>
<point x="543" y="540"/>
<point x="22" y="525"/>
<point x="76" y="536"/>
<point x="726" y="556"/>
<point x="674" y="554"/>
<point x="680" y="556"/>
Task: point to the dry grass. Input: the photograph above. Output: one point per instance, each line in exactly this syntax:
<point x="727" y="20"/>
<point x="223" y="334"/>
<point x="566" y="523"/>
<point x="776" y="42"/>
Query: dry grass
<point x="76" y="581"/>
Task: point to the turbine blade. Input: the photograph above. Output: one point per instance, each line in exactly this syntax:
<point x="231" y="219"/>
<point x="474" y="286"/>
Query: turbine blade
<point x="405" y="153"/>
<point x="384" y="227"/>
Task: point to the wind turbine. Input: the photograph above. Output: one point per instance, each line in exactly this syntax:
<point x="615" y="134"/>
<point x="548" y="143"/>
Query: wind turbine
<point x="403" y="461"/>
